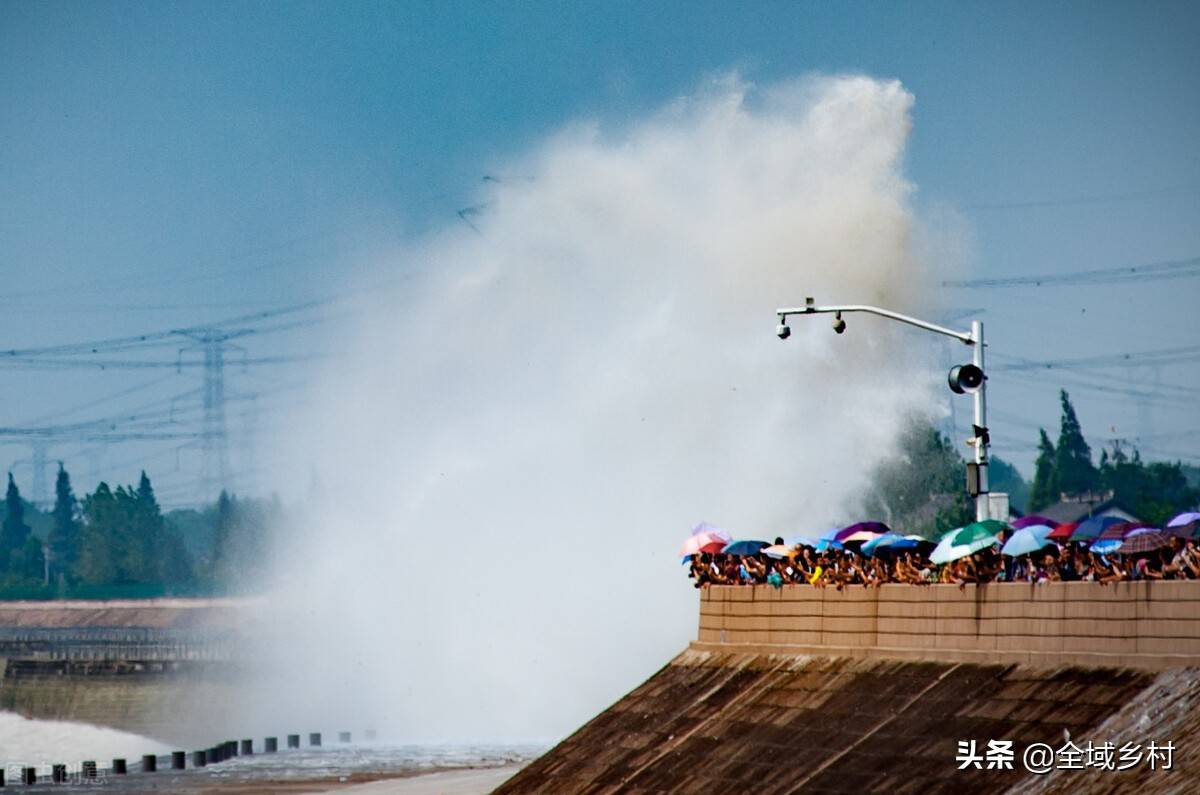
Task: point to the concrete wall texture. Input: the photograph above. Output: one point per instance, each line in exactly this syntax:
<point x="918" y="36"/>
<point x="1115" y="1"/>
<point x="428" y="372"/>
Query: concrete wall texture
<point x="1149" y="625"/>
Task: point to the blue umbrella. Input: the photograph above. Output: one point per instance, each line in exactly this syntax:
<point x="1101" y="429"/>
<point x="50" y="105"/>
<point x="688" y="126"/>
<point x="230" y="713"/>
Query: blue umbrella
<point x="890" y="541"/>
<point x="1106" y="546"/>
<point x="1092" y="528"/>
<point x="744" y="548"/>
<point x="1026" y="540"/>
<point x="826" y="544"/>
<point x="881" y="541"/>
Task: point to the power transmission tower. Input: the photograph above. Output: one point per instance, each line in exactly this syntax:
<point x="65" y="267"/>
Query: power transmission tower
<point x="214" y="342"/>
<point x="39" y="496"/>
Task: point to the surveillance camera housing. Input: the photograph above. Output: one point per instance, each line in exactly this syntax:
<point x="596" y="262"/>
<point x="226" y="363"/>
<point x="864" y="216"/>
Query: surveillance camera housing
<point x="839" y="325"/>
<point x="783" y="330"/>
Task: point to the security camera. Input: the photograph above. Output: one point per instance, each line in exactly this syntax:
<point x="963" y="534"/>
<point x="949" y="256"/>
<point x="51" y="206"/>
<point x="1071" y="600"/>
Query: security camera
<point x="839" y="325"/>
<point x="783" y="330"/>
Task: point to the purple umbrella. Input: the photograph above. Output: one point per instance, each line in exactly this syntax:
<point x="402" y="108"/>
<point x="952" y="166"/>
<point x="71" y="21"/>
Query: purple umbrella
<point x="1029" y="521"/>
<point x="878" y="528"/>
<point x="1183" y="530"/>
<point x="1188" y="517"/>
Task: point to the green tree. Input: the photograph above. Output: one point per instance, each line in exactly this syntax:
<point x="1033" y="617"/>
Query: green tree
<point x="29" y="563"/>
<point x="98" y="550"/>
<point x="1154" y="492"/>
<point x="1074" y="472"/>
<point x="144" y="536"/>
<point x="1003" y="476"/>
<point x="922" y="489"/>
<point x="63" y="539"/>
<point x="1044" y="490"/>
<point x="13" y="532"/>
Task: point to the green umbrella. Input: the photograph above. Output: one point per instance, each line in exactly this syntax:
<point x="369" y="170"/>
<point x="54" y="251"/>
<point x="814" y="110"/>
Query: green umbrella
<point x="975" y="531"/>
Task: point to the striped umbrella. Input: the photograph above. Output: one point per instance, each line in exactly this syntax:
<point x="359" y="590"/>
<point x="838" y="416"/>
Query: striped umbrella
<point x="1120" y="530"/>
<point x="1144" y="540"/>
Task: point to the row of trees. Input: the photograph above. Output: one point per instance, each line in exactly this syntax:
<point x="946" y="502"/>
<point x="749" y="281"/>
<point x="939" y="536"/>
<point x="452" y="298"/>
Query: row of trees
<point x="121" y="537"/>
<point x="921" y="490"/>
<point x="1153" y="491"/>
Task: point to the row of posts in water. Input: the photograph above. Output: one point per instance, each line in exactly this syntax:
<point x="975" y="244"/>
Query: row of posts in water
<point x="209" y="756"/>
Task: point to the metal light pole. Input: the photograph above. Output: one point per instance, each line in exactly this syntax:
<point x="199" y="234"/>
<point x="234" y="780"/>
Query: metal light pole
<point x="964" y="381"/>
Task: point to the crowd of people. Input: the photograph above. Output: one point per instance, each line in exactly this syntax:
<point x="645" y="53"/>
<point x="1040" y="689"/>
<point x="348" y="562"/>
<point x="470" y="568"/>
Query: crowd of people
<point x="843" y="568"/>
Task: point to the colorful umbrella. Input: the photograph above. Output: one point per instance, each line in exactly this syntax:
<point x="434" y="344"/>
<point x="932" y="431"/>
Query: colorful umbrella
<point x="1026" y="540"/>
<point x="779" y="551"/>
<point x="1029" y="521"/>
<point x="1185" y="518"/>
<point x="1118" y="531"/>
<point x="1106" y="546"/>
<point x="702" y="543"/>
<point x="744" y="548"/>
<point x="715" y="532"/>
<point x="883" y="540"/>
<point x="1191" y="530"/>
<point x="1062" y="533"/>
<point x="862" y="531"/>
<point x="947" y="551"/>
<point x="1144" y="541"/>
<point x="988" y="528"/>
<point x="1092" y="528"/>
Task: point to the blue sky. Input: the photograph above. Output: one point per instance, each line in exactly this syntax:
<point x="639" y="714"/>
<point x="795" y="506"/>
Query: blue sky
<point x="165" y="164"/>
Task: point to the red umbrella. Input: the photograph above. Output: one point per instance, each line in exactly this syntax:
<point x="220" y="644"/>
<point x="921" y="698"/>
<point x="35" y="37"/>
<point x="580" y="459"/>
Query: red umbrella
<point x="702" y="542"/>
<point x="1062" y="533"/>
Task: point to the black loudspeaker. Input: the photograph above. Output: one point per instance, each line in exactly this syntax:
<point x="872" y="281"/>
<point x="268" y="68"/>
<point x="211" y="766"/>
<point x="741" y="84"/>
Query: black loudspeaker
<point x="965" y="378"/>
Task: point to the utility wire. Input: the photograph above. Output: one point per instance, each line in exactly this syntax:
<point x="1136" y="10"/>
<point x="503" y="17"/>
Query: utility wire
<point x="1153" y="271"/>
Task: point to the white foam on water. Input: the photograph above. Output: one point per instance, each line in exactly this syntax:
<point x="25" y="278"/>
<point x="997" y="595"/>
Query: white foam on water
<point x="39" y="743"/>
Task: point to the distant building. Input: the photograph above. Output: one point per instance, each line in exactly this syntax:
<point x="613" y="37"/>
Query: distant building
<point x="1077" y="507"/>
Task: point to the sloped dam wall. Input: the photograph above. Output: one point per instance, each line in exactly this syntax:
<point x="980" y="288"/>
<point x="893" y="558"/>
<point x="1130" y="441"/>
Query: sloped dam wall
<point x="894" y="689"/>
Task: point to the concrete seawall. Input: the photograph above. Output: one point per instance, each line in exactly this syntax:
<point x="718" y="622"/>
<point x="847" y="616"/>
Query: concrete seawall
<point x="1150" y="625"/>
<point x="802" y="689"/>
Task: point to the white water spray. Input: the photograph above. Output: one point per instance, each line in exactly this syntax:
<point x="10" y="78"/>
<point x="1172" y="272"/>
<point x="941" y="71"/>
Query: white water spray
<point x="512" y="448"/>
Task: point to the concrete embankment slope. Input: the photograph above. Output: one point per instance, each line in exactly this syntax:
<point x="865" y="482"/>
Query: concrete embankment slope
<point x="811" y="690"/>
<point x="715" y="723"/>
